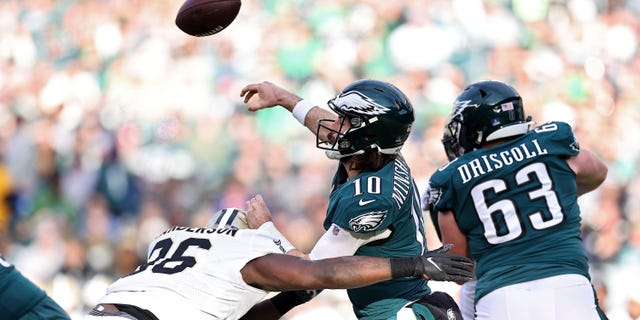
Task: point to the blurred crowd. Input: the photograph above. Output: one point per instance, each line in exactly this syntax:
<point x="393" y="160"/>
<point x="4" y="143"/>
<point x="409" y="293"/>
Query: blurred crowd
<point x="115" y="125"/>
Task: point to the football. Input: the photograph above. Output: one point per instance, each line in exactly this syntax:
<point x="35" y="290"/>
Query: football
<point x="201" y="18"/>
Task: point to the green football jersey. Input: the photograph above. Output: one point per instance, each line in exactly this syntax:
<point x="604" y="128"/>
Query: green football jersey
<point x="517" y="205"/>
<point x="373" y="202"/>
<point x="22" y="299"/>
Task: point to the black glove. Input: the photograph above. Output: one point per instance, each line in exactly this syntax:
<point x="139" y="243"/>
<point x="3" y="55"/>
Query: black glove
<point x="437" y="265"/>
<point x="287" y="300"/>
<point x="442" y="266"/>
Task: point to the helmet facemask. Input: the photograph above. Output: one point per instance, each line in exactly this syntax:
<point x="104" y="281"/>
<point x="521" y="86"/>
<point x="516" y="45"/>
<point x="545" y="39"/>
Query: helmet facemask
<point x="450" y="140"/>
<point x="380" y="117"/>
<point x="343" y="143"/>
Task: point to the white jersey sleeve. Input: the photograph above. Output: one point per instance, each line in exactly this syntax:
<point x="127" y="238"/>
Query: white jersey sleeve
<point x="338" y="242"/>
<point x="194" y="273"/>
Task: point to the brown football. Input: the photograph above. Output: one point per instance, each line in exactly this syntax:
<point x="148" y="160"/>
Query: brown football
<point x="201" y="18"/>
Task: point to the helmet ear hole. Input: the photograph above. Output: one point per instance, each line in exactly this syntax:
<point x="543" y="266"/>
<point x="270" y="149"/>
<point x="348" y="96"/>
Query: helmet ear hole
<point x="355" y="122"/>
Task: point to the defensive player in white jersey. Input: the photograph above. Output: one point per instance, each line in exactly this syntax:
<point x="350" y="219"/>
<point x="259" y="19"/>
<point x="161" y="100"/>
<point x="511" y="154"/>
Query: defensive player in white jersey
<point x="220" y="271"/>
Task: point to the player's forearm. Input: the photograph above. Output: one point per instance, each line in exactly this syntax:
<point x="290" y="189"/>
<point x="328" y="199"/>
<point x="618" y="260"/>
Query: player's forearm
<point x="288" y="100"/>
<point x="341" y="273"/>
<point x="308" y="113"/>
<point x="315" y="114"/>
<point x="333" y="273"/>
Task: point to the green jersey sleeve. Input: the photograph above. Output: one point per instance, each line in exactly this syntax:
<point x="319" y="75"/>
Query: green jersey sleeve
<point x="558" y="138"/>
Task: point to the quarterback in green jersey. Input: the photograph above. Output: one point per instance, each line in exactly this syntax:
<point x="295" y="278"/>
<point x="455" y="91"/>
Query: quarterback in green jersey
<point x="508" y="199"/>
<point x="374" y="205"/>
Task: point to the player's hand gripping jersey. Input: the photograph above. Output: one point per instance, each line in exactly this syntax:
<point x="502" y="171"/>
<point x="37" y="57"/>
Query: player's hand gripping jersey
<point x="375" y="202"/>
<point x="194" y="273"/>
<point x="512" y="195"/>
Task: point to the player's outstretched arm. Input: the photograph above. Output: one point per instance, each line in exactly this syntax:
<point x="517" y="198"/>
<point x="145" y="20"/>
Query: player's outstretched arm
<point x="277" y="272"/>
<point x="283" y="272"/>
<point x="271" y="95"/>
<point x="299" y="277"/>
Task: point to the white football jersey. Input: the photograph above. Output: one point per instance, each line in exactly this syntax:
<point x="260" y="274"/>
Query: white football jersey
<point x="194" y="273"/>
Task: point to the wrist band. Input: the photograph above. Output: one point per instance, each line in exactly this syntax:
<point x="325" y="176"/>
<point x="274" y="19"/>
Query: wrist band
<point x="269" y="228"/>
<point x="301" y="109"/>
<point x="406" y="267"/>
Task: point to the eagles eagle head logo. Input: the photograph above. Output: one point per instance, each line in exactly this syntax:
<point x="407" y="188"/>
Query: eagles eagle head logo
<point x="354" y="101"/>
<point x="368" y="221"/>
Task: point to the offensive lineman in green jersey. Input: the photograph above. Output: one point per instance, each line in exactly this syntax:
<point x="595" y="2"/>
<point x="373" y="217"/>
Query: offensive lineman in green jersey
<point x="509" y="200"/>
<point x="22" y="299"/>
<point x="374" y="205"/>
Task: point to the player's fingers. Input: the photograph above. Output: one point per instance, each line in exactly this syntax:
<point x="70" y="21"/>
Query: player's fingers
<point x="247" y="88"/>
<point x="248" y="96"/>
<point x="460" y="276"/>
<point x="460" y="259"/>
<point x="445" y="248"/>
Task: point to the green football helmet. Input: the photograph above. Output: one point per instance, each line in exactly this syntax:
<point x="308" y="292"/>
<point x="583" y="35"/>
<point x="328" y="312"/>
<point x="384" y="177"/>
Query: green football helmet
<point x="484" y="111"/>
<point x="380" y="115"/>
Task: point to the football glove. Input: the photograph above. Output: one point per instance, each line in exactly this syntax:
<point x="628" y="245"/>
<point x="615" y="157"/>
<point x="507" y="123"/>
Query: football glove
<point x="435" y="265"/>
<point x="442" y="266"/>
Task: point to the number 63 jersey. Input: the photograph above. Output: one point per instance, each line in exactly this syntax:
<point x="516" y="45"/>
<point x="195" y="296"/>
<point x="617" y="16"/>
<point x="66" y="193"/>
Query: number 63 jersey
<point x="517" y="205"/>
<point x="194" y="273"/>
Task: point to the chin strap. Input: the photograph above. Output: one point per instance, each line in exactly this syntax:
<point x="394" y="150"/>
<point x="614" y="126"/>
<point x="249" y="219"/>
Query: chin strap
<point x="336" y="155"/>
